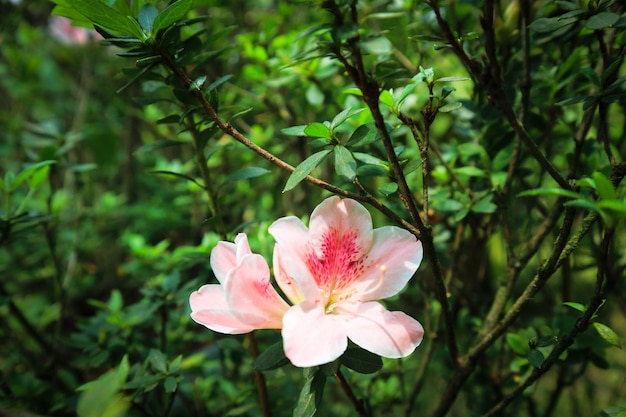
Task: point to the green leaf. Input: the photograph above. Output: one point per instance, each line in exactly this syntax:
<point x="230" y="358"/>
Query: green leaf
<point x="607" y="334"/>
<point x="447" y="108"/>
<point x="170" y="384"/>
<point x="271" y="358"/>
<point x="551" y="24"/>
<point x="376" y="46"/>
<point x="484" y="205"/>
<point x="546" y="341"/>
<point x="38" y="177"/>
<point x="343" y="116"/>
<point x="197" y="84"/>
<point x="164" y="143"/>
<point x="364" y="135"/>
<point x="27" y="173"/>
<point x="575" y="306"/>
<point x="311" y="395"/>
<point x="550" y="191"/>
<point x="517" y="344"/>
<point x="604" y="187"/>
<point x="107" y="18"/>
<point x="361" y="360"/>
<point x="294" y="130"/>
<point x="602" y="20"/>
<point x="345" y="165"/>
<point x="317" y="130"/>
<point x="246" y="173"/>
<point x="583" y="204"/>
<point x="101" y="397"/>
<point x="470" y="171"/>
<point x="177" y="174"/>
<point x="157" y="360"/>
<point x="451" y="79"/>
<point x="219" y="82"/>
<point x="146" y="17"/>
<point x="535" y="358"/>
<point x="387" y="99"/>
<point x="305" y="169"/>
<point x="172" y="14"/>
<point x="388" y="188"/>
<point x="613" y="206"/>
<point x="613" y="411"/>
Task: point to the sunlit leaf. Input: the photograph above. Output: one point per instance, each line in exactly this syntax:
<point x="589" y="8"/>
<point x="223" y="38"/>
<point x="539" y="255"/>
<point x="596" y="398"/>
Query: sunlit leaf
<point x="172" y="14"/>
<point x="607" y="334"/>
<point x="345" y="165"/>
<point x="305" y="169"/>
<point x="317" y="130"/>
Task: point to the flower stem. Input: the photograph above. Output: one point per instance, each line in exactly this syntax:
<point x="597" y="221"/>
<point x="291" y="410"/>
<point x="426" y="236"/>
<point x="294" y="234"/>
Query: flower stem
<point x="343" y="383"/>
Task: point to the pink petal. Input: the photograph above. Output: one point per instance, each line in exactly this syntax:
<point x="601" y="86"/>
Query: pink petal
<point x="251" y="296"/>
<point x="311" y="337"/>
<point x="209" y="296"/>
<point x="385" y="333"/>
<point x="287" y="284"/>
<point x="226" y="255"/>
<point x="290" y="257"/>
<point x="348" y="218"/>
<point x="223" y="260"/>
<point x="209" y="308"/>
<point x="400" y="252"/>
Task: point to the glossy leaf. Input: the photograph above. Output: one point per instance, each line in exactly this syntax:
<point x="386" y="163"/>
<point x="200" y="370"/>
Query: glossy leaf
<point x="311" y="394"/>
<point x="305" y="169"/>
<point x="604" y="187"/>
<point x="317" y="130"/>
<point x="146" y="17"/>
<point x="602" y="20"/>
<point x="172" y="14"/>
<point x="607" y="334"/>
<point x="107" y="17"/>
<point x="361" y="360"/>
<point x="271" y="358"/>
<point x="345" y="165"/>
<point x="535" y="358"/>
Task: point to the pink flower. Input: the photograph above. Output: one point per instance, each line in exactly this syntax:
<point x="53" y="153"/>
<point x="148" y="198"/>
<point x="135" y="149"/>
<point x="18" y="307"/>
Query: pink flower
<point x="63" y="29"/>
<point x="333" y="272"/>
<point x="244" y="299"/>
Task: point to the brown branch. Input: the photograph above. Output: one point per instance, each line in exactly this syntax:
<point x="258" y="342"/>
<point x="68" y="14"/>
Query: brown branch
<point x="343" y="383"/>
<point x="568" y="339"/>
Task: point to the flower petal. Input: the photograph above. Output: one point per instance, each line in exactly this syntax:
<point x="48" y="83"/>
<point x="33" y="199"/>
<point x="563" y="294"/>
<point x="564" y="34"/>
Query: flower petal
<point x="209" y="308"/>
<point x="226" y="255"/>
<point x="250" y="294"/>
<point x="290" y="257"/>
<point x="311" y="337"/>
<point x="287" y="284"/>
<point x="400" y="253"/>
<point x="385" y="333"/>
<point x="348" y="218"/>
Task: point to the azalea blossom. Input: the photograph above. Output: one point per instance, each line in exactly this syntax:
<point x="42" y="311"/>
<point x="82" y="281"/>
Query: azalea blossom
<point x="333" y="272"/>
<point x="244" y="299"/>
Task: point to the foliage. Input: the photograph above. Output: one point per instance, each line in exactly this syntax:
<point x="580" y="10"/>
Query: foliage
<point x="493" y="131"/>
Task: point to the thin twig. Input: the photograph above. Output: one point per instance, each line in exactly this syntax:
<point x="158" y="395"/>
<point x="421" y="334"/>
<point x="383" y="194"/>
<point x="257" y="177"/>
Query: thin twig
<point x="343" y="383"/>
<point x="568" y="339"/>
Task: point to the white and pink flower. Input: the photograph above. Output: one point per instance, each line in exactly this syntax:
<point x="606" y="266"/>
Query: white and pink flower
<point x="244" y="300"/>
<point x="332" y="273"/>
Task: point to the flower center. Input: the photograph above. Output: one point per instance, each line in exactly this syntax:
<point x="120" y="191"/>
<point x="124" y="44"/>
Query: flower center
<point x="335" y="264"/>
